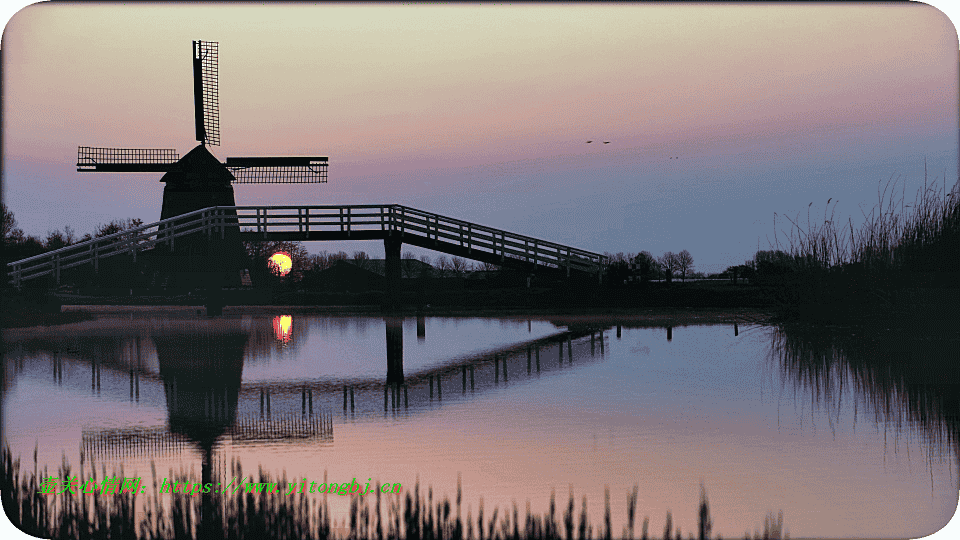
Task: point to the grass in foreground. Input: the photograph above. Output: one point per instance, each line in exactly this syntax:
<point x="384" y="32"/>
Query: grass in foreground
<point x="245" y="515"/>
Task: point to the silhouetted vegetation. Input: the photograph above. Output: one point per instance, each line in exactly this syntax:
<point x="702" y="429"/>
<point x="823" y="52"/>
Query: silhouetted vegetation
<point x="901" y="249"/>
<point x="408" y="515"/>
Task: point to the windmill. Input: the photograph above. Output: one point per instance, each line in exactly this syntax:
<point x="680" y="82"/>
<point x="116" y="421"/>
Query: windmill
<point x="198" y="179"/>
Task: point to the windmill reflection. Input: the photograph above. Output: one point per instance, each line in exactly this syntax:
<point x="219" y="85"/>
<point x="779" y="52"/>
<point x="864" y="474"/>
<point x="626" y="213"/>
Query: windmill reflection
<point x="201" y="375"/>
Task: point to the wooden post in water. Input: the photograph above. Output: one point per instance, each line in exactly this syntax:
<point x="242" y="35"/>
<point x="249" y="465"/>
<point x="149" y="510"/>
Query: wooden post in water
<point x="669" y="333"/>
<point x="618" y="331"/>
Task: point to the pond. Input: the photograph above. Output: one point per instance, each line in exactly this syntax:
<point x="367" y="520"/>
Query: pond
<point x="848" y="432"/>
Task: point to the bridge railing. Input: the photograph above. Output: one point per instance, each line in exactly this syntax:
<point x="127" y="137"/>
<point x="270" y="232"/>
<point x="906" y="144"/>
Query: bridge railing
<point x="406" y="221"/>
<point x="131" y="241"/>
<point x="386" y="219"/>
<point x="494" y="241"/>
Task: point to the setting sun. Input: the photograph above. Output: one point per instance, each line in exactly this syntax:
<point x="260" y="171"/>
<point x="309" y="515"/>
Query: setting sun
<point x="280" y="263"/>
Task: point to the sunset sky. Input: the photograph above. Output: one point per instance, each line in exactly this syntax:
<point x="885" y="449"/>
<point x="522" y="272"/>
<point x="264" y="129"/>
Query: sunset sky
<point x="483" y="113"/>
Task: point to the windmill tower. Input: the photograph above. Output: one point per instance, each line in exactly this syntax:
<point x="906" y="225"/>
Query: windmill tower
<point x="199" y="180"/>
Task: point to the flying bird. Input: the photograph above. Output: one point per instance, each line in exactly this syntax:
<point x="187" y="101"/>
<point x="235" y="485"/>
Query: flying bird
<point x="588" y="142"/>
<point x="606" y="142"/>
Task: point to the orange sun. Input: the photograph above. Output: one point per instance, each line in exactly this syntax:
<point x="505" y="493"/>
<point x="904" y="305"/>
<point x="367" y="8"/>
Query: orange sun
<point x="280" y="263"/>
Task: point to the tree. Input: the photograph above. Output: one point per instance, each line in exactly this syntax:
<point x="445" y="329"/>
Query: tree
<point x="361" y="259"/>
<point x="458" y="265"/>
<point x="684" y="263"/>
<point x="772" y="264"/>
<point x="442" y="265"/>
<point x="617" y="269"/>
<point x="406" y="264"/>
<point x="8" y="226"/>
<point x="320" y="261"/>
<point x="117" y="225"/>
<point x="668" y="261"/>
<point x="426" y="270"/>
<point x="645" y="265"/>
<point x="57" y="239"/>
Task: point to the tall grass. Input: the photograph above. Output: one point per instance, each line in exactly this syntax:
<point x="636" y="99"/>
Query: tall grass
<point x="256" y="516"/>
<point x="899" y="245"/>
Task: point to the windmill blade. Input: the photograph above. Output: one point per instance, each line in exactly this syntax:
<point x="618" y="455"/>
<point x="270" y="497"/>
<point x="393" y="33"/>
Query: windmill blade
<point x="126" y="159"/>
<point x="278" y="170"/>
<point x="206" y="101"/>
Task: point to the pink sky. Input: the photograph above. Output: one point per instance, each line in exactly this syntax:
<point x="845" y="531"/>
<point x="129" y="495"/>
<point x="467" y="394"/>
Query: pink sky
<point x="482" y="113"/>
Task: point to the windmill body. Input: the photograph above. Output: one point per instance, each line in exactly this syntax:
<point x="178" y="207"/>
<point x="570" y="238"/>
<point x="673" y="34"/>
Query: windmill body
<point x="199" y="180"/>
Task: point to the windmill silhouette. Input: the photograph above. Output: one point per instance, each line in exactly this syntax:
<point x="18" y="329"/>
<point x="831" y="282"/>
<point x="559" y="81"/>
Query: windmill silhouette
<point x="199" y="180"/>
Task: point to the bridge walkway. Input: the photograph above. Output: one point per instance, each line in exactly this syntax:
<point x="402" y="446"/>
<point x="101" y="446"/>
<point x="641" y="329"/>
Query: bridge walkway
<point x="394" y="224"/>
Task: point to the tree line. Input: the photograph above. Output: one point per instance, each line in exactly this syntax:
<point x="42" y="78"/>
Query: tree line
<point x="644" y="267"/>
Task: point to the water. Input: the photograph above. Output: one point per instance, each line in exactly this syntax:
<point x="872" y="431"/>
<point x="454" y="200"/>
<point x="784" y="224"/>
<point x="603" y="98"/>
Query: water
<point x="813" y="422"/>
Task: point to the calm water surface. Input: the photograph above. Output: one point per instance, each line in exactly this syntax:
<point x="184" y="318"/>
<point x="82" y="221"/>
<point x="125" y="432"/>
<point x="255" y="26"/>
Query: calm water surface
<point x="765" y="419"/>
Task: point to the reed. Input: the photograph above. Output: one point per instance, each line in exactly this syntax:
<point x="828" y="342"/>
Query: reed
<point x="898" y="246"/>
<point x="255" y="516"/>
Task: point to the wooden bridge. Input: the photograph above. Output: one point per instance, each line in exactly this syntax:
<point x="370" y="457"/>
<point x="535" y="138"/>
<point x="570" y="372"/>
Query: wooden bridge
<point x="394" y="224"/>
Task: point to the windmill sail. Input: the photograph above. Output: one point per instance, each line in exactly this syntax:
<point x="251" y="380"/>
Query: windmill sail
<point x="278" y="170"/>
<point x="125" y="159"/>
<point x="206" y="92"/>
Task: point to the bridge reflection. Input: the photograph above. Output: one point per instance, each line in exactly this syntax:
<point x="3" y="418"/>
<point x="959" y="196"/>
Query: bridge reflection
<point x="194" y="370"/>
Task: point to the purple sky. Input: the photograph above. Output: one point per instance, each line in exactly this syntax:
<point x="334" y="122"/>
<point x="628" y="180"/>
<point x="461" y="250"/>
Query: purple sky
<point x="482" y="113"/>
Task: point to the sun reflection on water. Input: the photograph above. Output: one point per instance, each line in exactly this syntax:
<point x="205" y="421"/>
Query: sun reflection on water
<point x="283" y="328"/>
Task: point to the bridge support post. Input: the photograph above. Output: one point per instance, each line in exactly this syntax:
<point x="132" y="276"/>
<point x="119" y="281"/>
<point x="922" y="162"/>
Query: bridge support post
<point x="392" y="270"/>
